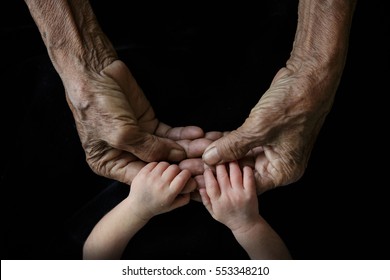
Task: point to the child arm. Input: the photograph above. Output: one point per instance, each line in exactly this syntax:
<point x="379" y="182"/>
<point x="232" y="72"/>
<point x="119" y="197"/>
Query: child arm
<point x="231" y="199"/>
<point x="155" y="190"/>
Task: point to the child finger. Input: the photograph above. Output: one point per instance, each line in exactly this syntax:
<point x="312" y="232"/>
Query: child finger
<point x="212" y="187"/>
<point x="223" y="177"/>
<point x="235" y="174"/>
<point x="179" y="182"/>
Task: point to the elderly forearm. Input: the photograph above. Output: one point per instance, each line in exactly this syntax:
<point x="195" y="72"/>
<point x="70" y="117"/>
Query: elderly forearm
<point x="321" y="40"/>
<point x="73" y="38"/>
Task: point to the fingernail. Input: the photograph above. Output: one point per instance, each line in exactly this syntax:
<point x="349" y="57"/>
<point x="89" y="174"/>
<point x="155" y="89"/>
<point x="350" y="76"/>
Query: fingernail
<point x="211" y="156"/>
<point x="176" y="155"/>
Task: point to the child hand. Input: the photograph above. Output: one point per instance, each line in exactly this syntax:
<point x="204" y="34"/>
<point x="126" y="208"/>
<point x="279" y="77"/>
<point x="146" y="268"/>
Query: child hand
<point x="231" y="197"/>
<point x="156" y="189"/>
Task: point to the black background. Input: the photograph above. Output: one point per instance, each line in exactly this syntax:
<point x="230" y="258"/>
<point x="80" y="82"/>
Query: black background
<point x="203" y="66"/>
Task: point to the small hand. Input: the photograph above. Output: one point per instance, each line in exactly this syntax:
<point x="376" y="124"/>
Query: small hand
<point x="230" y="196"/>
<point x="157" y="189"/>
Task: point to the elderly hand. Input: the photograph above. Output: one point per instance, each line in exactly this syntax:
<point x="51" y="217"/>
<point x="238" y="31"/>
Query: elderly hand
<point x="118" y="128"/>
<point x="279" y="133"/>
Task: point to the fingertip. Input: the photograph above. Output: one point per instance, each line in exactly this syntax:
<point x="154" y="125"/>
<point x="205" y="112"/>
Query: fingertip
<point x="213" y="135"/>
<point x="189" y="184"/>
<point x="176" y="155"/>
<point x="185" y="173"/>
<point x="194" y="132"/>
<point x="200" y="181"/>
<point x="234" y="165"/>
<point x="211" y="156"/>
<point x="248" y="169"/>
<point x="149" y="166"/>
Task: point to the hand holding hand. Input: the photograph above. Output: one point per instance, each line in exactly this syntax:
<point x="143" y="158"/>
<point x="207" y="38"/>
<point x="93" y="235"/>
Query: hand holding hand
<point x="230" y="196"/>
<point x="280" y="132"/>
<point x="117" y="125"/>
<point x="156" y="190"/>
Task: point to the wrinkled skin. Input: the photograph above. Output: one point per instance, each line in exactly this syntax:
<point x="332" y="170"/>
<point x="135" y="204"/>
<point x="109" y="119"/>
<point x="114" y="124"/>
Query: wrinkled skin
<point x="277" y="137"/>
<point x="119" y="130"/>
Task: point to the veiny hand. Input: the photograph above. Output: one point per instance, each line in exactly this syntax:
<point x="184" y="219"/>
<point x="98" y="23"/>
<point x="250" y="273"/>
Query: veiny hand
<point x="280" y="131"/>
<point x="118" y="128"/>
<point x="156" y="189"/>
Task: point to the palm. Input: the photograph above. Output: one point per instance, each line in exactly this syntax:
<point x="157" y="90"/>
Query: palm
<point x="280" y="131"/>
<point x="118" y="128"/>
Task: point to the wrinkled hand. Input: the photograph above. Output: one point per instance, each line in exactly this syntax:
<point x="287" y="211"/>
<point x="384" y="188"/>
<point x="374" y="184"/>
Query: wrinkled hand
<point x="280" y="131"/>
<point x="118" y="128"/>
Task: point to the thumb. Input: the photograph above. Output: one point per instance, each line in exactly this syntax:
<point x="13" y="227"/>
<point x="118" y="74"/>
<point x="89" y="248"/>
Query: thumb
<point x="149" y="147"/>
<point x="233" y="146"/>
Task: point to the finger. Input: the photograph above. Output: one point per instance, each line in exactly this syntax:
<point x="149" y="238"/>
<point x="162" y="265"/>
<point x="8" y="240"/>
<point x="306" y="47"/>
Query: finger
<point x="159" y="169"/>
<point x="190" y="186"/>
<point x="213" y="135"/>
<point x="263" y="178"/>
<point x="127" y="173"/>
<point x="149" y="167"/>
<point x="200" y="181"/>
<point x="170" y="172"/>
<point x="194" y="148"/>
<point x="211" y="184"/>
<point x="148" y="147"/>
<point x="178" y="183"/>
<point x="179" y="133"/>
<point x="223" y="177"/>
<point x="235" y="174"/>
<point x="248" y="160"/>
<point x="274" y="168"/>
<point x="232" y="146"/>
<point x="195" y="166"/>
<point x="116" y="164"/>
<point x="249" y="179"/>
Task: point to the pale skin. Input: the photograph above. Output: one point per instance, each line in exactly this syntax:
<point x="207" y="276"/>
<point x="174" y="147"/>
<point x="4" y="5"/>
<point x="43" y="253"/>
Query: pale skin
<point x="231" y="198"/>
<point x="120" y="132"/>
<point x="155" y="190"/>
